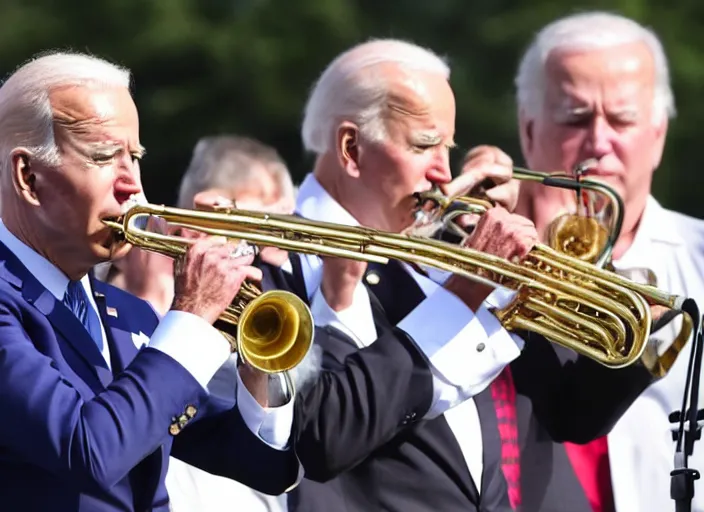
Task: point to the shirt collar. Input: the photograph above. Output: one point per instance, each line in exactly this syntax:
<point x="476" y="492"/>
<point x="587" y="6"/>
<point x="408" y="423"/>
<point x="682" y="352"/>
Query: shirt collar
<point x="315" y="203"/>
<point x="654" y="227"/>
<point x="42" y="269"/>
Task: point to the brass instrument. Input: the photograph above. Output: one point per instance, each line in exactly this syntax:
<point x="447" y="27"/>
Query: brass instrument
<point x="271" y="331"/>
<point x="568" y="301"/>
<point x="576" y="241"/>
<point x="584" y="234"/>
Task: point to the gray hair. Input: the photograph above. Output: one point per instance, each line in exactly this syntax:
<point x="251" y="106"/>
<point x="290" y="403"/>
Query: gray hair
<point x="229" y="161"/>
<point x="349" y="89"/>
<point x="26" y="118"/>
<point x="587" y="31"/>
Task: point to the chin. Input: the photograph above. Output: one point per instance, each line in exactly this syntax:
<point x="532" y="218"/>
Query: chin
<point x="613" y="181"/>
<point x="109" y="250"/>
<point x="119" y="250"/>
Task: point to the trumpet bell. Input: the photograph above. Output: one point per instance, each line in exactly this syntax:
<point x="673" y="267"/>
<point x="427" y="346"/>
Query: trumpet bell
<point x="275" y="331"/>
<point x="581" y="237"/>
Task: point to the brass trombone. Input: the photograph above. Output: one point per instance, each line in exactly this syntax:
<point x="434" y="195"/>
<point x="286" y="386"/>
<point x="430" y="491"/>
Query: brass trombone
<point x="582" y="238"/>
<point x="570" y="302"/>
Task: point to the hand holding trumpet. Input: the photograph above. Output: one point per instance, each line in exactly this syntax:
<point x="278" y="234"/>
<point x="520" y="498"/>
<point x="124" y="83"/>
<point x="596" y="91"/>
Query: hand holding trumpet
<point x="486" y="171"/>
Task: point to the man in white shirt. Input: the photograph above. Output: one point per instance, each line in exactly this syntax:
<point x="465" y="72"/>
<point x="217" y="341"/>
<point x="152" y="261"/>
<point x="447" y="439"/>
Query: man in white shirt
<point x="596" y="86"/>
<point x="100" y="395"/>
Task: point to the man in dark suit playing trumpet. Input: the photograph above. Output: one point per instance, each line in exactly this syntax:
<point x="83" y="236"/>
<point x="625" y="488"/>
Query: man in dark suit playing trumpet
<point x="410" y="419"/>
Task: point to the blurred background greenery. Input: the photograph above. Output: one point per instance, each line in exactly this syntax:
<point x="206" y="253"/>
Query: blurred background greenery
<point x="204" y="67"/>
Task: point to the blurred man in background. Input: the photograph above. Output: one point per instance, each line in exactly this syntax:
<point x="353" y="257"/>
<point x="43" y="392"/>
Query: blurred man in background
<point x="597" y="86"/>
<point x="226" y="169"/>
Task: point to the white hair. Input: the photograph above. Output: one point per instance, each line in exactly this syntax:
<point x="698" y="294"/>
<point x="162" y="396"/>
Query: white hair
<point x="589" y="31"/>
<point x="26" y="118"/>
<point x="349" y="89"/>
<point x="232" y="162"/>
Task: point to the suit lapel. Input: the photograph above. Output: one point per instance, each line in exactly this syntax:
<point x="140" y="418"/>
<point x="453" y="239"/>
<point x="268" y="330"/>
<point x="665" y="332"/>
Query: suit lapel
<point x="146" y="475"/>
<point x="393" y="291"/>
<point x="122" y="346"/>
<point x="491" y="441"/>
<point x="395" y="288"/>
<point x="295" y="279"/>
<point x="64" y="322"/>
<point x="275" y="278"/>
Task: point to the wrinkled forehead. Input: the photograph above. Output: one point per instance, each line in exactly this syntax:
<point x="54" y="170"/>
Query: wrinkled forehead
<point x="426" y="98"/>
<point x="620" y="75"/>
<point x="95" y="110"/>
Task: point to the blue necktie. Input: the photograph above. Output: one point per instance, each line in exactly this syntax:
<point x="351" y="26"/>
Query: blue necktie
<point x="76" y="300"/>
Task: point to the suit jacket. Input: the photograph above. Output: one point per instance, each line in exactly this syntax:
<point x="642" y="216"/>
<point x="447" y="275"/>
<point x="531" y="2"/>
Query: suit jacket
<point x="563" y="397"/>
<point x="362" y="440"/>
<point x="80" y="437"/>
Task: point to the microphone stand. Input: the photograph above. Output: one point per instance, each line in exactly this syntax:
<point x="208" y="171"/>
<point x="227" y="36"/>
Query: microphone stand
<point x="682" y="477"/>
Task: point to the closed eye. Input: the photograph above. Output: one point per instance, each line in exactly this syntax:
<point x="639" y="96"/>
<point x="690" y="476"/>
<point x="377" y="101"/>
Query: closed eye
<point x="103" y="158"/>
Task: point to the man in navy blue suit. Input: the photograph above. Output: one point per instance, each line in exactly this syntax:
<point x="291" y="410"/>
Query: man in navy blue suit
<point x="98" y="393"/>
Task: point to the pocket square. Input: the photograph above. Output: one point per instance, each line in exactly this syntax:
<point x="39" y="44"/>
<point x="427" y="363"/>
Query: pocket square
<point x="140" y="340"/>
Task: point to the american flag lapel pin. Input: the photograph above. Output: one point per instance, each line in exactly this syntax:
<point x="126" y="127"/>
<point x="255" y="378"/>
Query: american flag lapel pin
<point x="111" y="311"/>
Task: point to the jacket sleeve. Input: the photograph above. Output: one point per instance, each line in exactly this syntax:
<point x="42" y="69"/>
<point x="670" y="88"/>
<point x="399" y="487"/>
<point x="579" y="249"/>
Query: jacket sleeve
<point x="575" y="398"/>
<point x="92" y="442"/>
<point x="360" y="401"/>
<point x="222" y="444"/>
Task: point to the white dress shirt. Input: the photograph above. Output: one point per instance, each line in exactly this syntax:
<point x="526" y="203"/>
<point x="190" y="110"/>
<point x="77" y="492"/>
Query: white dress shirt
<point x="191" y="341"/>
<point x="466" y="351"/>
<point x="641" y="449"/>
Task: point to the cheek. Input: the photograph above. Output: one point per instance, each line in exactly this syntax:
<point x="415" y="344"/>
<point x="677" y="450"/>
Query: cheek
<point x="407" y="176"/>
<point x="556" y="148"/>
<point x="565" y="147"/>
<point x="637" y="152"/>
<point x="61" y="206"/>
<point x="93" y="198"/>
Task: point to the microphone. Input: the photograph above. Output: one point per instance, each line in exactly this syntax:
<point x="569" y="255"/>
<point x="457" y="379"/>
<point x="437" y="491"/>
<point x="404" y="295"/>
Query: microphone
<point x="682" y="478"/>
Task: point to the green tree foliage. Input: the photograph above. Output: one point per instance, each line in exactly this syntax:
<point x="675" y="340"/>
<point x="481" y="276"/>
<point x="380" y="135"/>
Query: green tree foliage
<point x="246" y="66"/>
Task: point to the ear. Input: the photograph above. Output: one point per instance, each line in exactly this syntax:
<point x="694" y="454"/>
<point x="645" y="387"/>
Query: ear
<point x="347" y="148"/>
<point x="525" y="128"/>
<point x="659" y="145"/>
<point x="24" y="177"/>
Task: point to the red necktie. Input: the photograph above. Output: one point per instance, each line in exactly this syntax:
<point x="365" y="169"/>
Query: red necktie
<point x="591" y="464"/>
<point x="503" y="393"/>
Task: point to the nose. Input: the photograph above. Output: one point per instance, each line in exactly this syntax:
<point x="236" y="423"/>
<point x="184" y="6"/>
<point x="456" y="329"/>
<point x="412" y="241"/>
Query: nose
<point x="599" y="139"/>
<point x="439" y="172"/>
<point x="127" y="181"/>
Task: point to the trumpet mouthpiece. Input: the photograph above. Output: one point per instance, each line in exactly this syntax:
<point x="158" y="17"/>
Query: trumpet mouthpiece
<point x="114" y="224"/>
<point x="134" y="200"/>
<point x="583" y="167"/>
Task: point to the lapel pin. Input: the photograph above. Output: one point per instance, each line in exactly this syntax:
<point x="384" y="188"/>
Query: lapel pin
<point x="111" y="311"/>
<point x="373" y="278"/>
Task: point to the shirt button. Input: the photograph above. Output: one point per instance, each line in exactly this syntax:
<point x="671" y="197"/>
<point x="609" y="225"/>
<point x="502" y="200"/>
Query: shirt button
<point x="481" y="347"/>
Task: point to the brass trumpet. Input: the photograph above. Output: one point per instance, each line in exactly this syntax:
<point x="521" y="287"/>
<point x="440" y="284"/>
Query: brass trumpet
<point x="271" y="331"/>
<point x="575" y="242"/>
<point x="568" y="301"/>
